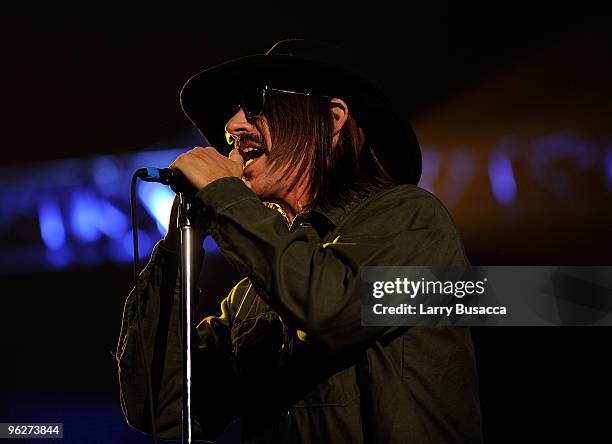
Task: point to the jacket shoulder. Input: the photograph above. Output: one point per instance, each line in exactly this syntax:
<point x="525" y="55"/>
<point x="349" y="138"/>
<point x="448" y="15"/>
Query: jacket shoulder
<point x="403" y="205"/>
<point x="406" y="194"/>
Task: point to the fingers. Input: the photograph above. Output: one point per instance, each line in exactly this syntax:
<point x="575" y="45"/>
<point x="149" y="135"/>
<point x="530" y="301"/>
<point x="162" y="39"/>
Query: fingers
<point x="193" y="154"/>
<point x="201" y="166"/>
<point x="203" y="153"/>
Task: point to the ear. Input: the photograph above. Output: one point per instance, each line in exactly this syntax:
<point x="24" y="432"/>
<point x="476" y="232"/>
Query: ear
<point x="340" y="112"/>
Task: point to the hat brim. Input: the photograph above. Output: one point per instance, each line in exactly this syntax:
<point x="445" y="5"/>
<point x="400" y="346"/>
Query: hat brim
<point x="209" y="99"/>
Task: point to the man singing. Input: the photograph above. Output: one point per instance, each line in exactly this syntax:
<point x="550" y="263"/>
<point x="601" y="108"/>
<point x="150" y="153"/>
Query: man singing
<point x="320" y="181"/>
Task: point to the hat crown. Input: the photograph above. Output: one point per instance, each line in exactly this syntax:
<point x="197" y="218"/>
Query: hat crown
<point x="296" y="46"/>
<point x="313" y="50"/>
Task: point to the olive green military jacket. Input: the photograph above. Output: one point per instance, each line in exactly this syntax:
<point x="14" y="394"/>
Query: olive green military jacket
<point x="287" y="354"/>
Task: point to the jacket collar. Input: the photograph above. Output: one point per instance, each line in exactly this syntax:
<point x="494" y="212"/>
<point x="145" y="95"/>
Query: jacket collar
<point x="332" y="215"/>
<point x="328" y="218"/>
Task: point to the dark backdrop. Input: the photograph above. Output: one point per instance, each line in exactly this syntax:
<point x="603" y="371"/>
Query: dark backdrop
<point x="106" y="81"/>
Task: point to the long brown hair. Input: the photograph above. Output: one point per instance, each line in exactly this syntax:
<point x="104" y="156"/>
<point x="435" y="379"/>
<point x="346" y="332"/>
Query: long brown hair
<point x="301" y="129"/>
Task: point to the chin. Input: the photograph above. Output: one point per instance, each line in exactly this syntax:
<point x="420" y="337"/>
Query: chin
<point x="262" y="188"/>
<point x="254" y="188"/>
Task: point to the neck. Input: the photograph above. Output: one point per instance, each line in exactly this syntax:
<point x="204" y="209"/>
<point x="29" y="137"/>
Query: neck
<point x="291" y="210"/>
<point x="293" y="203"/>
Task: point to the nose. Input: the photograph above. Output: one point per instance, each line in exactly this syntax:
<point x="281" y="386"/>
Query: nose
<point x="238" y="124"/>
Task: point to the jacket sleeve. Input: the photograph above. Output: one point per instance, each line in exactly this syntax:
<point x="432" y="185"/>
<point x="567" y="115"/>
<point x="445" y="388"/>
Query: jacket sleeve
<point x="159" y="286"/>
<point x="314" y="283"/>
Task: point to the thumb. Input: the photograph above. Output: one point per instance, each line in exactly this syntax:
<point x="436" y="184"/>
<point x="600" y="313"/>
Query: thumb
<point x="236" y="157"/>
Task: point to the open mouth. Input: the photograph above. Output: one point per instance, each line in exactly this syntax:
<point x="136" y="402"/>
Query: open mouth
<point x="250" y="154"/>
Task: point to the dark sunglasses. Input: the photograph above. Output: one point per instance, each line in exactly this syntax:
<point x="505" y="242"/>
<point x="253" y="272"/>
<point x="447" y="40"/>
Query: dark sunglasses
<point x="253" y="101"/>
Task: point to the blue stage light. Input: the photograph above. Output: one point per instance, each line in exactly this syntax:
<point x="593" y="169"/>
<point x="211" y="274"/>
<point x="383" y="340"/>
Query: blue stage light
<point x="85" y="215"/>
<point x="502" y="180"/>
<point x="157" y="200"/>
<point x="547" y="149"/>
<point x="83" y="204"/>
<point x="52" y="228"/>
<point x="60" y="258"/>
<point x="113" y="223"/>
<point x="145" y="245"/>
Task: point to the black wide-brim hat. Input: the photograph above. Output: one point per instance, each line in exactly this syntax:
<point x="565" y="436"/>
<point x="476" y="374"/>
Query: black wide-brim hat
<point x="209" y="98"/>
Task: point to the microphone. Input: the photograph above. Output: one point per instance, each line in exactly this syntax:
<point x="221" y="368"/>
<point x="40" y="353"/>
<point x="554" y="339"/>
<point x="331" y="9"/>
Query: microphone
<point x="175" y="179"/>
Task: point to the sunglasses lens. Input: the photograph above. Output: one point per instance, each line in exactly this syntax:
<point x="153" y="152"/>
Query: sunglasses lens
<point x="252" y="102"/>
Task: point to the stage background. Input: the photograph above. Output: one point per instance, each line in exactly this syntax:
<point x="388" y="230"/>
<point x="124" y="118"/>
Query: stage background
<point x="511" y="102"/>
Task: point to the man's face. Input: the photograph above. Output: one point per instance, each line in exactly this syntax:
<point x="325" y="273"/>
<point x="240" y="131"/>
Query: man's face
<point x="257" y="173"/>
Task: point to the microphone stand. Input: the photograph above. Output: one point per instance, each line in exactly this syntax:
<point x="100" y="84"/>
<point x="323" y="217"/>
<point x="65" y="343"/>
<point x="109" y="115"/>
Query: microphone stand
<point x="188" y="270"/>
<point x="189" y="294"/>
